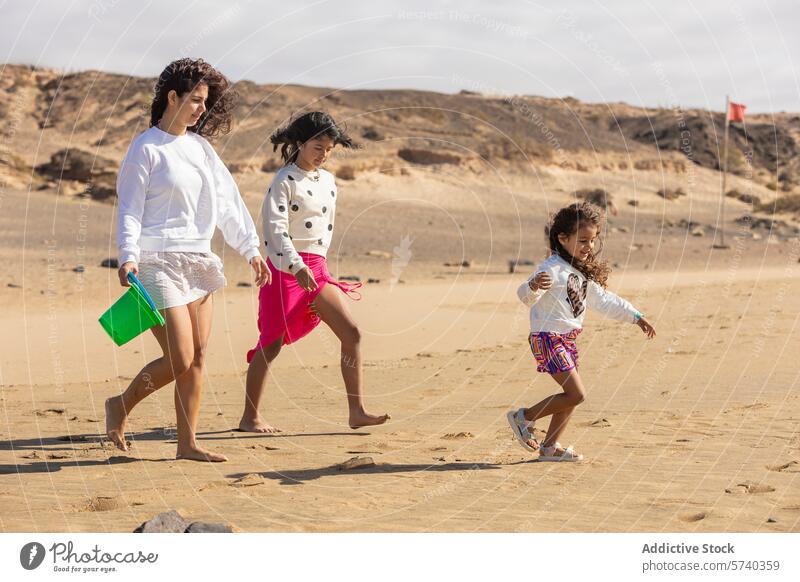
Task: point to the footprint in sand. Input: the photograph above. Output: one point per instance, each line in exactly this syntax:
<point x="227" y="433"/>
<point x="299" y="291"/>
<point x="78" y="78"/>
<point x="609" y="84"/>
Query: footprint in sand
<point x="213" y="485"/>
<point x="750" y="487"/>
<point x="790" y="467"/>
<point x="102" y="503"/>
<point x="458" y="435"/>
<point x="50" y="412"/>
<point x="249" y="480"/>
<point x="693" y="517"/>
<point x="746" y="408"/>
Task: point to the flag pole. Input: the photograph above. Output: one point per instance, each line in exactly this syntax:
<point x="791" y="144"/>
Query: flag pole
<point x="724" y="171"/>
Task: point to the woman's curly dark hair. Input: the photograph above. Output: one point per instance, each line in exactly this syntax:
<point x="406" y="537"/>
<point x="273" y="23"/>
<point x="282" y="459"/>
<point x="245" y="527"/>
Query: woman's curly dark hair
<point x="307" y="126"/>
<point x="567" y="221"/>
<point x="183" y="76"/>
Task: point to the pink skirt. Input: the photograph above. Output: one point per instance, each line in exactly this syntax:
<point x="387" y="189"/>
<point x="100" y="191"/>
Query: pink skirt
<point x="284" y="306"/>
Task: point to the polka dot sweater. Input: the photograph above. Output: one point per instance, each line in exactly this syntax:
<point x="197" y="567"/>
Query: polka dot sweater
<point x="298" y="215"/>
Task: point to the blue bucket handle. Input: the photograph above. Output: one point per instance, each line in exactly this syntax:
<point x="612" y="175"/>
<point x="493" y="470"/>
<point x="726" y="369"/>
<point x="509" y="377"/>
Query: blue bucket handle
<point x="133" y="280"/>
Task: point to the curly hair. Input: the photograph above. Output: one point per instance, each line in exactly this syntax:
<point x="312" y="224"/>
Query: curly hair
<point x="182" y="76"/>
<point x="567" y="221"/>
<point x="307" y="126"/>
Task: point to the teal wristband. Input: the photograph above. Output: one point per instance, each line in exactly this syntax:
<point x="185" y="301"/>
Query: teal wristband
<point x="637" y="316"/>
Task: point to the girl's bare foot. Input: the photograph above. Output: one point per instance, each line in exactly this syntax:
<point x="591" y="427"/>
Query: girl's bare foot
<point x="198" y="454"/>
<point x="256" y="424"/>
<point x="115" y="422"/>
<point x="362" y="419"/>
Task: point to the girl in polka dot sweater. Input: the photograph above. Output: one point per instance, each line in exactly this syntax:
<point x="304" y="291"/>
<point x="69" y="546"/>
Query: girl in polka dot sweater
<point x="298" y="218"/>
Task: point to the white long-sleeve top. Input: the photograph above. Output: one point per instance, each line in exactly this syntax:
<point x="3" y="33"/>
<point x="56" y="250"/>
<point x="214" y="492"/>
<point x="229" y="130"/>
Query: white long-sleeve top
<point x="173" y="191"/>
<point x="562" y="307"/>
<point x="298" y="215"/>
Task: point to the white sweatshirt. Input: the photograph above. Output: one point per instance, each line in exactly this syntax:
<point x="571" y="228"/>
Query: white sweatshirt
<point x="173" y="191"/>
<point x="298" y="215"/>
<point x="562" y="308"/>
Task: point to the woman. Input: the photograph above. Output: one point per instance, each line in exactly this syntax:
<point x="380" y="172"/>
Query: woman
<point x="173" y="191"/>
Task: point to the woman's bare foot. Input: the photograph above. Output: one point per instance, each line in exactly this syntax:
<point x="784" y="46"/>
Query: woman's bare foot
<point x="362" y="419"/>
<point x="115" y="422"/>
<point x="257" y="424"/>
<point x="198" y="454"/>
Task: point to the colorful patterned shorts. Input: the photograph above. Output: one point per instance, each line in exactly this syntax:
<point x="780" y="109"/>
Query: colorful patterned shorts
<point x="555" y="352"/>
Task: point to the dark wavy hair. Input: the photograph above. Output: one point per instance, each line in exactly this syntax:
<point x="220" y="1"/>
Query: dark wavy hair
<point x="307" y="126"/>
<point x="567" y="221"/>
<point x="183" y="76"/>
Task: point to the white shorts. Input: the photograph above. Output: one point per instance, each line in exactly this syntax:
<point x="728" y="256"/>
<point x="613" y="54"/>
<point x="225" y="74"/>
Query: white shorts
<point x="176" y="278"/>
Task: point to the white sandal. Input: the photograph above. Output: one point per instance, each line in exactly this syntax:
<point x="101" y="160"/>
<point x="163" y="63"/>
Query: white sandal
<point x="522" y="428"/>
<point x="569" y="454"/>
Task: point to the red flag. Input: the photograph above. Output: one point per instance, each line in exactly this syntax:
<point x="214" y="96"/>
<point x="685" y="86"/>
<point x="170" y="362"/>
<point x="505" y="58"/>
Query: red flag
<point x="736" y="111"/>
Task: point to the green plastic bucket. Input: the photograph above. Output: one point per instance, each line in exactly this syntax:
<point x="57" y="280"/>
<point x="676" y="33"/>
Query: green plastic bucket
<point x="132" y="314"/>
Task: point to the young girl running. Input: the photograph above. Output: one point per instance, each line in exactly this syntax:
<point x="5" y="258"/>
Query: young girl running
<point x="298" y="217"/>
<point x="558" y="293"/>
<point x="174" y="191"/>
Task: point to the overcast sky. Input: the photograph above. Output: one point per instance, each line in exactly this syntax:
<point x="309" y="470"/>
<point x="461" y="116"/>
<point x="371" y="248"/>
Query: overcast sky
<point x="643" y="52"/>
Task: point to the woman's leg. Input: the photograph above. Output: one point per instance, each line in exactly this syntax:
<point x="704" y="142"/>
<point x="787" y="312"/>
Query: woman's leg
<point x="188" y="385"/>
<point x="330" y="308"/>
<point x="257" y="373"/>
<point x="176" y="345"/>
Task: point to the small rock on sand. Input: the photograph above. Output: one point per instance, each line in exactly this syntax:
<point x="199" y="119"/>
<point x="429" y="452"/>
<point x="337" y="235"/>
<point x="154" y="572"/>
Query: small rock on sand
<point x="172" y="522"/>
<point x="203" y="527"/>
<point x="167" y="522"/>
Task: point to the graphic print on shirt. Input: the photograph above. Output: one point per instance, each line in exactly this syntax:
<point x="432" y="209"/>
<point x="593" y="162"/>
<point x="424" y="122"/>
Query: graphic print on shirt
<point x="576" y="294"/>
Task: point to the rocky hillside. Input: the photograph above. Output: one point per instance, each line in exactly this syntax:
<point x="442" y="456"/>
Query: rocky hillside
<point x="68" y="132"/>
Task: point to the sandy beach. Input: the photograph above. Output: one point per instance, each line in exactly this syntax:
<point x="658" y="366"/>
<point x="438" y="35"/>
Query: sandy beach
<point x="693" y="431"/>
<point x="696" y="430"/>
